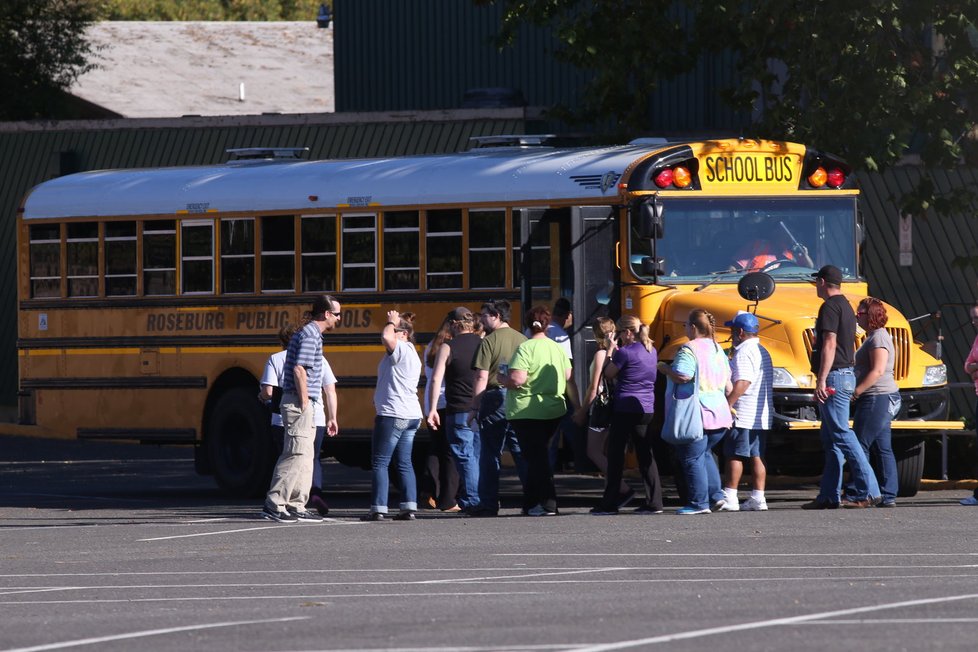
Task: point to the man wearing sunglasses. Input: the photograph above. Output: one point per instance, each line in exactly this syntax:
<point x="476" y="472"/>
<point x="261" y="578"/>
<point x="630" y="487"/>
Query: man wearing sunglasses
<point x="302" y="385"/>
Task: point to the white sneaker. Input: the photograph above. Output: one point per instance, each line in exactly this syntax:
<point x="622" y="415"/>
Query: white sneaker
<point x="971" y="501"/>
<point x="754" y="505"/>
<point x="725" y="505"/>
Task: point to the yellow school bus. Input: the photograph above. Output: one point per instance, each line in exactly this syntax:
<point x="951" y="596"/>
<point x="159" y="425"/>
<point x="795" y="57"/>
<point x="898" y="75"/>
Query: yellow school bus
<point x="150" y="299"/>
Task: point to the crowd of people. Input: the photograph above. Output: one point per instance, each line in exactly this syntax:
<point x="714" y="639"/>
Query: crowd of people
<point x="491" y="388"/>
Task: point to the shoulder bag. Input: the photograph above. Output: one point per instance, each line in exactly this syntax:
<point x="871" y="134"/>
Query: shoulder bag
<point x="683" y="421"/>
<point x="599" y="412"/>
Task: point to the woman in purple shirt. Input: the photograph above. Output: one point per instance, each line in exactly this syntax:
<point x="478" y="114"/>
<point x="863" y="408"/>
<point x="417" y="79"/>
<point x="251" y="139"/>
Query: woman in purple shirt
<point x="633" y="368"/>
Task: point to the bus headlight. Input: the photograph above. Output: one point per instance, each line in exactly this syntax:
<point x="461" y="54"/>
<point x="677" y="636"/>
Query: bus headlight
<point x="783" y="379"/>
<point x="936" y="375"/>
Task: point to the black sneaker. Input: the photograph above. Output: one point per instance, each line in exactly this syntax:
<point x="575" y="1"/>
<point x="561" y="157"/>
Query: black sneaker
<point x="373" y="516"/>
<point x="646" y="508"/>
<point x="305" y="516"/>
<point x="404" y="516"/>
<point x="280" y="517"/>
<point x="604" y="510"/>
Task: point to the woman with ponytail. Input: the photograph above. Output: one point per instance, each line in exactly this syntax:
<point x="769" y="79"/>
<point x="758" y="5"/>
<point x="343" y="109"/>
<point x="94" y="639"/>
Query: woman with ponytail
<point x="633" y="368"/>
<point x="701" y="360"/>
<point x="536" y="380"/>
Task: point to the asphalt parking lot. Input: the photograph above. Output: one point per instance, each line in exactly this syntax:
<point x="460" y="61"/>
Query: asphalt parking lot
<point x="114" y="547"/>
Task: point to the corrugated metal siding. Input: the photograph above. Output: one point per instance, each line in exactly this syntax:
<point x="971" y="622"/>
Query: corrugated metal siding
<point x="30" y="156"/>
<point x="421" y="55"/>
<point x="931" y="284"/>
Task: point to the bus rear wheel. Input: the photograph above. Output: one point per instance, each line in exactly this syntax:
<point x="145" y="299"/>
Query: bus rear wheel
<point x="239" y="444"/>
<point x="909" y="452"/>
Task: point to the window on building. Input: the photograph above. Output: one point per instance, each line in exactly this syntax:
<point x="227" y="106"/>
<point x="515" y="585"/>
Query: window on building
<point x="487" y="249"/>
<point x="120" y="259"/>
<point x="359" y="252"/>
<point x="444" y="249"/>
<point x="402" y="270"/>
<point x="277" y="253"/>
<point x="318" y="234"/>
<point x="237" y="256"/>
<point x="160" y="257"/>
<point x="45" y="253"/>
<point x="197" y="257"/>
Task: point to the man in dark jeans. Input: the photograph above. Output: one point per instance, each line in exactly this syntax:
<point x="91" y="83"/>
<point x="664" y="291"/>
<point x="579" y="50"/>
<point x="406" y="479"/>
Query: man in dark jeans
<point x="833" y="357"/>
<point x="489" y="403"/>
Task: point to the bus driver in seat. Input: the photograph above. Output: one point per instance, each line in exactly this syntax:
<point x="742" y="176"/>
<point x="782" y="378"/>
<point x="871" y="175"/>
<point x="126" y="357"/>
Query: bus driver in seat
<point x="764" y="247"/>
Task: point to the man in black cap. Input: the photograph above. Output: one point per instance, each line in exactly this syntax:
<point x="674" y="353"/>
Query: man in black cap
<point x="833" y="356"/>
<point x="302" y="382"/>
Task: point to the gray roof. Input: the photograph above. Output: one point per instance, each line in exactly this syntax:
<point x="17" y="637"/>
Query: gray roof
<point x="510" y="174"/>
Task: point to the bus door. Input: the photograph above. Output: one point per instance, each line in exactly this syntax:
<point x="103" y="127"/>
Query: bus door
<point x="570" y="252"/>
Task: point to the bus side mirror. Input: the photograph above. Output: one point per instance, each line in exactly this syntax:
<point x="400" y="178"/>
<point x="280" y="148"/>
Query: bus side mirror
<point x="648" y="217"/>
<point x="653" y="267"/>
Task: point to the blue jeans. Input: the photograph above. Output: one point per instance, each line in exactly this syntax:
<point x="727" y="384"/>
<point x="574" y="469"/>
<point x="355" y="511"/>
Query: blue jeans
<point x="464" y="444"/>
<point x="700" y="469"/>
<point x="840" y="444"/>
<point x="393" y="437"/>
<point x="495" y="434"/>
<point x="871" y="421"/>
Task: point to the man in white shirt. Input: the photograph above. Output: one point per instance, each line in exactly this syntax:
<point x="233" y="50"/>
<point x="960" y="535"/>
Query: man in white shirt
<point x="752" y="404"/>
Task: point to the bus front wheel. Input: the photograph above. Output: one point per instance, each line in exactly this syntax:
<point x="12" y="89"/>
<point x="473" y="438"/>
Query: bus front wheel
<point x="239" y="444"/>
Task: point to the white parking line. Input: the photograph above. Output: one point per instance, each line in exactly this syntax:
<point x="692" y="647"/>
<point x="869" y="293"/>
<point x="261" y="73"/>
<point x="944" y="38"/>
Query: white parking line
<point x="270" y="526"/>
<point x="760" y="624"/>
<point x="147" y="632"/>
<point x="337" y="596"/>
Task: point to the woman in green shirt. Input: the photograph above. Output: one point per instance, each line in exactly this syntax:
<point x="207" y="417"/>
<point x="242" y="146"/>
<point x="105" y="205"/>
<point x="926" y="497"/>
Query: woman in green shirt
<point x="536" y="380"/>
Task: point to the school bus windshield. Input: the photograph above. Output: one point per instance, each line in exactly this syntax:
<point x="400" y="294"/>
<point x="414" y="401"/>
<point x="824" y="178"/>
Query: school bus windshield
<point x="706" y="239"/>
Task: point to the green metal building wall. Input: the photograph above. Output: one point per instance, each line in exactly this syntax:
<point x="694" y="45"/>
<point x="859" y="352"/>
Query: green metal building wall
<point x="31" y="153"/>
<point x="392" y="55"/>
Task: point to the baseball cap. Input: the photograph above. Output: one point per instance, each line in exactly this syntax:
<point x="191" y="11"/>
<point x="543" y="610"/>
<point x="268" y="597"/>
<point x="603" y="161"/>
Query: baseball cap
<point x="744" y="321"/>
<point x="830" y="273"/>
<point x="461" y="314"/>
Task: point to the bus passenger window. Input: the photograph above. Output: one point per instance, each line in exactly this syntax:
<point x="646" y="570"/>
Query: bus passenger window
<point x="487" y="249"/>
<point x="160" y="257"/>
<point x="82" y="252"/>
<point x="444" y="244"/>
<point x="197" y="257"/>
<point x="237" y="256"/>
<point x="318" y="234"/>
<point x="359" y="252"/>
<point x="120" y="259"/>
<point x="277" y="253"/>
<point x="45" y="251"/>
<point x="402" y="250"/>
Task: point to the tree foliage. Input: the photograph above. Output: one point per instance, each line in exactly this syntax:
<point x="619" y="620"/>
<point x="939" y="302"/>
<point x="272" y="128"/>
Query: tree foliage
<point x="43" y="50"/>
<point x="870" y="80"/>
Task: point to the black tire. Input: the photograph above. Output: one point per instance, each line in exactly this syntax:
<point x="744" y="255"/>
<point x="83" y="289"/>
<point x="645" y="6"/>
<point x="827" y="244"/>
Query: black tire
<point x="239" y="443"/>
<point x="909" y="454"/>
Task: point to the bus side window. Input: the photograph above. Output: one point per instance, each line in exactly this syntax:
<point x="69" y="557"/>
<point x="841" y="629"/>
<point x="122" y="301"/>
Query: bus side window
<point x="45" y="252"/>
<point x="402" y="251"/>
<point x="487" y="249"/>
<point x="318" y="242"/>
<point x="120" y="259"/>
<point x="237" y="256"/>
<point x="197" y="257"/>
<point x="277" y="253"/>
<point x="443" y="240"/>
<point x="359" y="252"/>
<point x="160" y="257"/>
